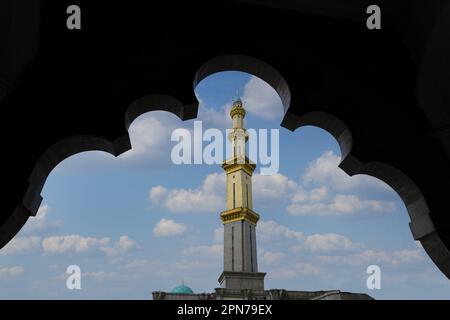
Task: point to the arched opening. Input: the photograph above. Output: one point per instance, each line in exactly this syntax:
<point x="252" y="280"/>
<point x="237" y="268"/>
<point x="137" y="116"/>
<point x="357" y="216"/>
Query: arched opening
<point x="335" y="127"/>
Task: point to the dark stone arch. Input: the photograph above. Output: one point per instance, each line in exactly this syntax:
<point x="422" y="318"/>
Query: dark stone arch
<point x="251" y="65"/>
<point x="421" y="224"/>
<point x="336" y="69"/>
<point x="159" y="102"/>
<point x="433" y="85"/>
<point x="70" y="146"/>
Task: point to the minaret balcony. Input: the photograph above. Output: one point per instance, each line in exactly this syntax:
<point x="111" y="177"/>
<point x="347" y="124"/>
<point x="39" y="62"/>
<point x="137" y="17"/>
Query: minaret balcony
<point x="239" y="163"/>
<point x="238" y="214"/>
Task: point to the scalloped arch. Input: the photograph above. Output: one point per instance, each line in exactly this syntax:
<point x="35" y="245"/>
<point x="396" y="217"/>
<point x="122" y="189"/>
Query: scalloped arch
<point x="421" y="225"/>
<point x="70" y="146"/>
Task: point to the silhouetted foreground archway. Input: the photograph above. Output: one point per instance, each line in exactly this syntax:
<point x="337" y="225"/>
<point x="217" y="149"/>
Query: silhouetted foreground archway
<point x="383" y="95"/>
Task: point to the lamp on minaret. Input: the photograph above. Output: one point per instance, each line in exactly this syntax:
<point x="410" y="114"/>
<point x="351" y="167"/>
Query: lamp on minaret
<point x="240" y="268"/>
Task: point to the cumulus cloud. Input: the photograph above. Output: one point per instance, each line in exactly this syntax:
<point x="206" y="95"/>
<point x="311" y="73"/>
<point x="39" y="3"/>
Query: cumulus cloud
<point x="273" y="189"/>
<point x="296" y="240"/>
<point x="20" y="245"/>
<point x="341" y="204"/>
<point x="40" y="222"/>
<point x="267" y="188"/>
<point x="11" y="272"/>
<point x="79" y="244"/>
<point x="314" y="195"/>
<point x="368" y="257"/>
<point x="271" y="257"/>
<point x="329" y="242"/>
<point x="262" y="100"/>
<point x="215" y="118"/>
<point x="71" y="243"/>
<point x="150" y="139"/>
<point x="209" y="197"/>
<point x="318" y="194"/>
<point x="158" y="194"/>
<point x="271" y="230"/>
<point x="325" y="171"/>
<point x="167" y="227"/>
<point x="120" y="247"/>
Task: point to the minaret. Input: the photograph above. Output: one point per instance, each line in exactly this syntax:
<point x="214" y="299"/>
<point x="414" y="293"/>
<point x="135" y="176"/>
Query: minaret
<point x="240" y="266"/>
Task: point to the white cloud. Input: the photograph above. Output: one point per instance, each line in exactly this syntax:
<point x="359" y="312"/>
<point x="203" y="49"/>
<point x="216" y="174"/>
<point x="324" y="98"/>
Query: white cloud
<point x="314" y="195"/>
<point x="329" y="242"/>
<point x="20" y="245"/>
<point x="40" y="222"/>
<point x="71" y="243"/>
<point x="10" y="272"/>
<point x="299" y="196"/>
<point x="325" y="171"/>
<point x="209" y="197"/>
<point x="158" y="194"/>
<point x="262" y="100"/>
<point x="267" y="188"/>
<point x="318" y="194"/>
<point x="368" y="257"/>
<point x="296" y="240"/>
<point x="341" y="205"/>
<point x="270" y="230"/>
<point x="215" y="118"/>
<point x="324" y="201"/>
<point x="120" y="247"/>
<point x="79" y="244"/>
<point x="150" y="138"/>
<point x="271" y="257"/>
<point x="167" y="227"/>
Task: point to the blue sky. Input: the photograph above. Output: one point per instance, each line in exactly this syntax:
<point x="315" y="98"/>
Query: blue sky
<point x="138" y="223"/>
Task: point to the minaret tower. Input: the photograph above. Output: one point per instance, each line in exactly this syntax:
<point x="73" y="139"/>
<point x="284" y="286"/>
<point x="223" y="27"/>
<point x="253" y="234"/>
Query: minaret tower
<point x="240" y="267"/>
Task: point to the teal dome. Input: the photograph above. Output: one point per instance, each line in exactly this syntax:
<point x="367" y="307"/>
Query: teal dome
<point x="182" y="289"/>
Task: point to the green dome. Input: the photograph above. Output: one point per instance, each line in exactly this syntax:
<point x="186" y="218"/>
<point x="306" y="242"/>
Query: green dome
<point x="182" y="289"/>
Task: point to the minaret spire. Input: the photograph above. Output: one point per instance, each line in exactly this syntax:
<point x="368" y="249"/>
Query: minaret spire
<point x="239" y="219"/>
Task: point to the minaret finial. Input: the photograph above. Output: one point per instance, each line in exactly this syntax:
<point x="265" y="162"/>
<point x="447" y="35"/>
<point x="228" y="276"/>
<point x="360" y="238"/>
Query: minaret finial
<point x="238" y="96"/>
